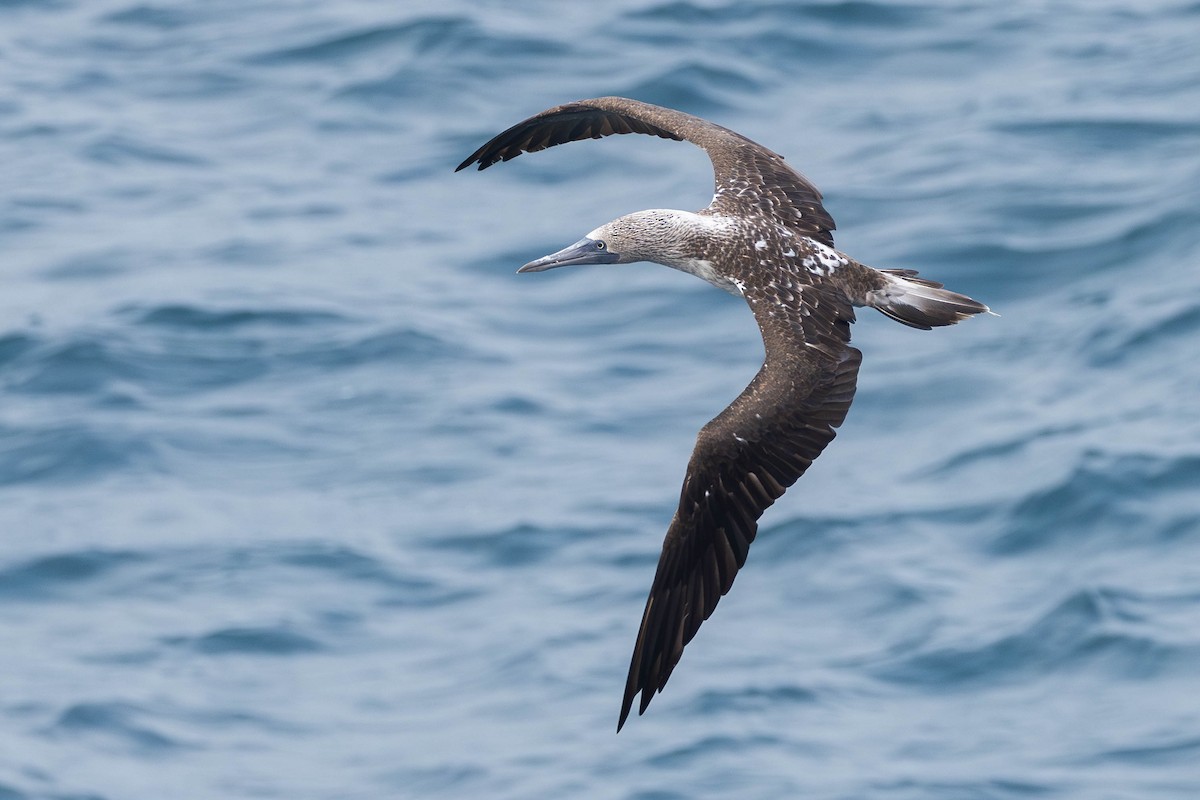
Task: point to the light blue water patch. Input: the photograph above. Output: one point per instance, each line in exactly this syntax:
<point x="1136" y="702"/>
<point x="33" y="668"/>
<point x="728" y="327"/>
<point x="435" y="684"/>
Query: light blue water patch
<point x="305" y="494"/>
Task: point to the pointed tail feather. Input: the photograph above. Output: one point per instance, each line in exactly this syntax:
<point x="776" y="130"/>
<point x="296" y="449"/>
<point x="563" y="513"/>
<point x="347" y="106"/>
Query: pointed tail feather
<point x="920" y="303"/>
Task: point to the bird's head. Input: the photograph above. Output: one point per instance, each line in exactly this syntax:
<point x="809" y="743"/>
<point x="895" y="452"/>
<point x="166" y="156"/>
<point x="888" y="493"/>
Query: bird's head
<point x="642" y="236"/>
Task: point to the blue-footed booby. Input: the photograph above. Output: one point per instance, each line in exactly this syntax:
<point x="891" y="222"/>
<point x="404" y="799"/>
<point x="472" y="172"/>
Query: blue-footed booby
<point x="765" y="237"/>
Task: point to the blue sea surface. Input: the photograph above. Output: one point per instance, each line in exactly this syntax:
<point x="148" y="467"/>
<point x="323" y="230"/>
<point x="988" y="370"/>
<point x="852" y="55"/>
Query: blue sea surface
<point x="305" y="494"/>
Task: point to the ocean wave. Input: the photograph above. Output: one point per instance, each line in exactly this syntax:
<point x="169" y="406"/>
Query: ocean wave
<point x="151" y="16"/>
<point x="93" y="363"/>
<point x="1102" y="134"/>
<point x="398" y="588"/>
<point x="301" y="563"/>
<point x="446" y="45"/>
<point x="981" y="789"/>
<point x="87" y="266"/>
<point x="1181" y="750"/>
<point x="763" y="16"/>
<point x="1154" y="327"/>
<point x="58" y="577"/>
<point x="1086" y="631"/>
<point x="123" y="149"/>
<point x="999" y="450"/>
<point x="750" y="699"/>
<point x="177" y="348"/>
<point x="15" y="345"/>
<point x="7" y="792"/>
<point x="66" y="453"/>
<point x="1104" y="500"/>
<point x="52" y="576"/>
<point x="201" y="318"/>
<point x="701" y="87"/>
<point x="693" y="753"/>
<point x="518" y="546"/>
<point x="118" y="720"/>
<point x="266" y="640"/>
<point x="416" y="37"/>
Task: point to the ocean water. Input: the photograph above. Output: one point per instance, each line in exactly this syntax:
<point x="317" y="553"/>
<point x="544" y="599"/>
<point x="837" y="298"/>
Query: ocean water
<point x="305" y="494"/>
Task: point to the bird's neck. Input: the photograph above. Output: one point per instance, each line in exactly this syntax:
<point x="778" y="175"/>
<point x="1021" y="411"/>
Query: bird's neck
<point x="693" y="246"/>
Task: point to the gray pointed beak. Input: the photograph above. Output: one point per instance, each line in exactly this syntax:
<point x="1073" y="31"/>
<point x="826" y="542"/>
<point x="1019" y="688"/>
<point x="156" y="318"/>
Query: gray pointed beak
<point x="585" y="251"/>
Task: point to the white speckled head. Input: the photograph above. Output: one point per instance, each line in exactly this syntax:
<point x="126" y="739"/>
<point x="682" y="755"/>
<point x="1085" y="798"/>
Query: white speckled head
<point x="677" y="239"/>
<point x="644" y="235"/>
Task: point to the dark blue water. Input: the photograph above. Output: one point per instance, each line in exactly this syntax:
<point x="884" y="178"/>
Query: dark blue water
<point x="304" y="494"/>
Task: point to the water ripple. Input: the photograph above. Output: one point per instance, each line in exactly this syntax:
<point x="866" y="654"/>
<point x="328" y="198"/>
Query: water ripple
<point x="523" y="545"/>
<point x="269" y="641"/>
<point x="691" y="754"/>
<point x="766" y="15"/>
<point x="1119" y="135"/>
<point x="121" y="150"/>
<point x="1182" y="751"/>
<point x="155" y="17"/>
<point x="1080" y="633"/>
<point x="198" y="318"/>
<point x="52" y="575"/>
<point x="187" y="349"/>
<point x="984" y="789"/>
<point x="1101" y="499"/>
<point x="68" y="454"/>
<point x="117" y="720"/>
<point x="416" y="37"/>
<point x="700" y="86"/>
<point x="1154" y="327"/>
<point x="749" y="700"/>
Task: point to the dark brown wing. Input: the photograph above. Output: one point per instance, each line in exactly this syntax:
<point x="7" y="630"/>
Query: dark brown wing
<point x="571" y="122"/>
<point x="747" y="175"/>
<point x="743" y="462"/>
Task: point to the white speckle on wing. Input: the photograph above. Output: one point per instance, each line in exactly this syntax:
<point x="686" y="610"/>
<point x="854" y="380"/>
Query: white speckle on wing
<point x="790" y="253"/>
<point x="761" y="244"/>
<point x="740" y="439"/>
<point x="822" y="260"/>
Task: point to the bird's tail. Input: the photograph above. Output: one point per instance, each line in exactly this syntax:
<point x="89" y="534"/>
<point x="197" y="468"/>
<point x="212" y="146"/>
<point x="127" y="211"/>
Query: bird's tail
<point x="921" y="303"/>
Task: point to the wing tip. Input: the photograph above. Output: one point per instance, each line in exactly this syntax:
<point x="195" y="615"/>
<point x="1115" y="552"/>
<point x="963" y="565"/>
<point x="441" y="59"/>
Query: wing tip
<point x="626" y="707"/>
<point x="471" y="159"/>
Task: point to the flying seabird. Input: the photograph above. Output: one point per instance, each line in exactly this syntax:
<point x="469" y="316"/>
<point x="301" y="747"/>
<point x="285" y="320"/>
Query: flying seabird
<point x="765" y="237"/>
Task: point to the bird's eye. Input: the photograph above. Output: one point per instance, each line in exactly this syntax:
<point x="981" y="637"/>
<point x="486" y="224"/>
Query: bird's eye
<point x="600" y="245"/>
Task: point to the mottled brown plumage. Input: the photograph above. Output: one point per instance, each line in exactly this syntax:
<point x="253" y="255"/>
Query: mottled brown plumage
<point x="749" y="177"/>
<point x="767" y="238"/>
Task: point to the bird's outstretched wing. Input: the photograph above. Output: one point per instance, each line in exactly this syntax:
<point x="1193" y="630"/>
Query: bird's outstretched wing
<point x="743" y="462"/>
<point x="747" y="175"/>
